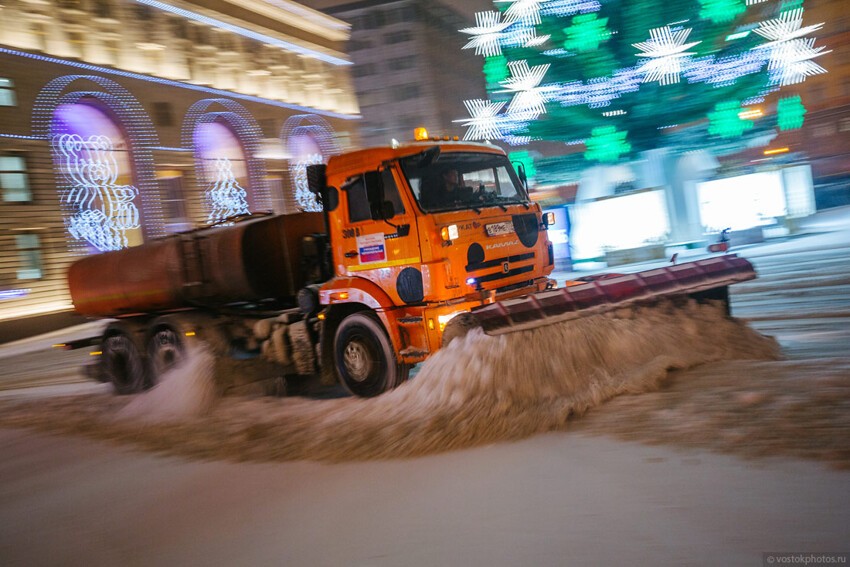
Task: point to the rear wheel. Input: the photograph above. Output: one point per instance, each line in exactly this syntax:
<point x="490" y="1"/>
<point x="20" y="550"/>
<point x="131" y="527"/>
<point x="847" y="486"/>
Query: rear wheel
<point x="122" y="364"/>
<point x="364" y="357"/>
<point x="165" y="351"/>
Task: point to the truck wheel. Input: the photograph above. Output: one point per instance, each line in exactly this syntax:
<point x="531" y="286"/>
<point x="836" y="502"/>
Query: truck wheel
<point x="364" y="357"/>
<point x="122" y="364"/>
<point x="165" y="351"/>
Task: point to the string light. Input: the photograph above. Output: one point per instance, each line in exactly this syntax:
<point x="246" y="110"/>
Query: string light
<point x="791" y="53"/>
<point x="318" y="130"/>
<point x="483" y="123"/>
<point x="486" y="33"/>
<point x="104" y="211"/>
<point x="170" y="83"/>
<point x="243" y="124"/>
<point x="529" y="100"/>
<point x="226" y="199"/>
<point x="141" y="137"/>
<point x="523" y="11"/>
<point x="262" y="38"/>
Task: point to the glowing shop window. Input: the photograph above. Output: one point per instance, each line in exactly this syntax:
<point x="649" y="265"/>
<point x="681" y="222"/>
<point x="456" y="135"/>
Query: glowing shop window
<point x="29" y="256"/>
<point x="619" y="223"/>
<point x="13" y="179"/>
<point x="742" y="202"/>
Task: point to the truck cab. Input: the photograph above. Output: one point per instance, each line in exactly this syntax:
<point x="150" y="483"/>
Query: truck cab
<point x="410" y="253"/>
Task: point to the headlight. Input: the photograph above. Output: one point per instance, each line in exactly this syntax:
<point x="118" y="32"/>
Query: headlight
<point x="548" y="219"/>
<point x="443" y="320"/>
<point x="449" y="233"/>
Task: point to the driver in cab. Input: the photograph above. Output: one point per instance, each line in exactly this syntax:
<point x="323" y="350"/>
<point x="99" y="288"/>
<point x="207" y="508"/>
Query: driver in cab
<point x="447" y="191"/>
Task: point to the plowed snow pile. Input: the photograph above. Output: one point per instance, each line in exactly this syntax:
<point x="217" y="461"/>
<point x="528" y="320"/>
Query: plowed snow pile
<point x="481" y="389"/>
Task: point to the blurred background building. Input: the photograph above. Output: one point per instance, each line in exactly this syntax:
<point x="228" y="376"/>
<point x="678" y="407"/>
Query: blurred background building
<point x="123" y="121"/>
<point x="410" y="68"/>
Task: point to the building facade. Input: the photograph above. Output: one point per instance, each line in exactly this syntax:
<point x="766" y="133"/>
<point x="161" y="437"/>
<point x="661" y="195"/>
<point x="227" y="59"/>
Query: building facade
<point x="122" y="121"/>
<point x="410" y="68"/>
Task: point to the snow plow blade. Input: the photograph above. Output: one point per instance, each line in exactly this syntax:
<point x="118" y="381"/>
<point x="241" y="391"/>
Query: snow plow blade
<point x="701" y="279"/>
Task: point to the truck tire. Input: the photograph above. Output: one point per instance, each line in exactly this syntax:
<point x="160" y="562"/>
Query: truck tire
<point x="364" y="357"/>
<point x="165" y="351"/>
<point x="122" y="364"/>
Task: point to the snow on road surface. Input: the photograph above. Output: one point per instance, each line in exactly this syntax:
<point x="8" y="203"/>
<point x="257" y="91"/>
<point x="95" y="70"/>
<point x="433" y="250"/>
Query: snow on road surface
<point x="703" y="382"/>
<point x="480" y="389"/>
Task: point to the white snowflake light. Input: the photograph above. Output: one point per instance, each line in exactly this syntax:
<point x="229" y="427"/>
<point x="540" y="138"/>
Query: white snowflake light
<point x="524" y="11"/>
<point x="788" y="26"/>
<point x="791" y="53"/>
<point x="483" y="123"/>
<point x="529" y="99"/>
<point x="486" y="33"/>
<point x="305" y="198"/>
<point x="665" y="50"/>
<point x="225" y="198"/>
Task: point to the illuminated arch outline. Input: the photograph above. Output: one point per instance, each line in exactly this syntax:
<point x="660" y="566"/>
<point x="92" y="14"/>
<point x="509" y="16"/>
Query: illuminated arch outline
<point x="323" y="133"/>
<point x="140" y="135"/>
<point x="247" y="131"/>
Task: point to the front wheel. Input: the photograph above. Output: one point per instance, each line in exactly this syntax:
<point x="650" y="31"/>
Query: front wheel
<point x="165" y="351"/>
<point x="122" y="364"/>
<point x="364" y="357"/>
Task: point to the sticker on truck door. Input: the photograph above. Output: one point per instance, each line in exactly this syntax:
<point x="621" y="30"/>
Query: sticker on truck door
<point x="371" y="248"/>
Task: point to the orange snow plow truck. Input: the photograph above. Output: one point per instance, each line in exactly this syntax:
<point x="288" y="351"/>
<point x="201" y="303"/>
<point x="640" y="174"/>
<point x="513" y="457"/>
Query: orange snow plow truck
<point x="395" y="266"/>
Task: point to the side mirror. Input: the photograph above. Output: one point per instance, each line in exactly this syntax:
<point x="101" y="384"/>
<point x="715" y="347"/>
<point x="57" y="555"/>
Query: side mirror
<point x="520" y="171"/>
<point x="317" y="178"/>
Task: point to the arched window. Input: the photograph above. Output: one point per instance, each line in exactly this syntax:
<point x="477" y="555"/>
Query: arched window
<point x="92" y="154"/>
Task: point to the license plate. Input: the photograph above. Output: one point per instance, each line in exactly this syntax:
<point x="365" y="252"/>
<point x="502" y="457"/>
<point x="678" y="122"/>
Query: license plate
<point x="499" y="228"/>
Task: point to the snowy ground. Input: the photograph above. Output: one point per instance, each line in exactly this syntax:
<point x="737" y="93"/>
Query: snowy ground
<point x="575" y="495"/>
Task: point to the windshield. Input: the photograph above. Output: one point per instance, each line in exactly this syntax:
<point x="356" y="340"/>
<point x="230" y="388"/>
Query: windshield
<point x="463" y="181"/>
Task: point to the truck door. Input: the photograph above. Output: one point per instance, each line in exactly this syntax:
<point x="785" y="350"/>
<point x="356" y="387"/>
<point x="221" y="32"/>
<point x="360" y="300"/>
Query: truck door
<point x="379" y="236"/>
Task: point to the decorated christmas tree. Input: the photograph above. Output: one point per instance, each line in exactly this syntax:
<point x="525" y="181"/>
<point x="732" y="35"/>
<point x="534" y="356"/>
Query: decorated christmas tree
<point x="620" y="76"/>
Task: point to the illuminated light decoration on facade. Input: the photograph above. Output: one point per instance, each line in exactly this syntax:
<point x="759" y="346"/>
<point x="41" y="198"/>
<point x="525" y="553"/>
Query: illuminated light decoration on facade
<point x="483" y="123"/>
<point x="262" y="38"/>
<point x="529" y="100"/>
<point x="104" y="210"/>
<point x="170" y="83"/>
<point x="303" y="196"/>
<point x="524" y="11"/>
<point x="13" y="293"/>
<point x="790" y="113"/>
<point x="486" y="33"/>
<point x="247" y="131"/>
<point x="665" y="50"/>
<point x="298" y="133"/>
<point x="133" y="120"/>
<point x="791" y="53"/>
<point x="226" y="199"/>
<point x="20" y="137"/>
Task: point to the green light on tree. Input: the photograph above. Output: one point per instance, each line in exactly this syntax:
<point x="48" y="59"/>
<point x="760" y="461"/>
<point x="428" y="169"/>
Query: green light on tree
<point x="721" y="11"/>
<point x="606" y="144"/>
<point x="496" y="69"/>
<point x="526" y="160"/>
<point x="790" y="112"/>
<point x="586" y="33"/>
<point x="725" y="121"/>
